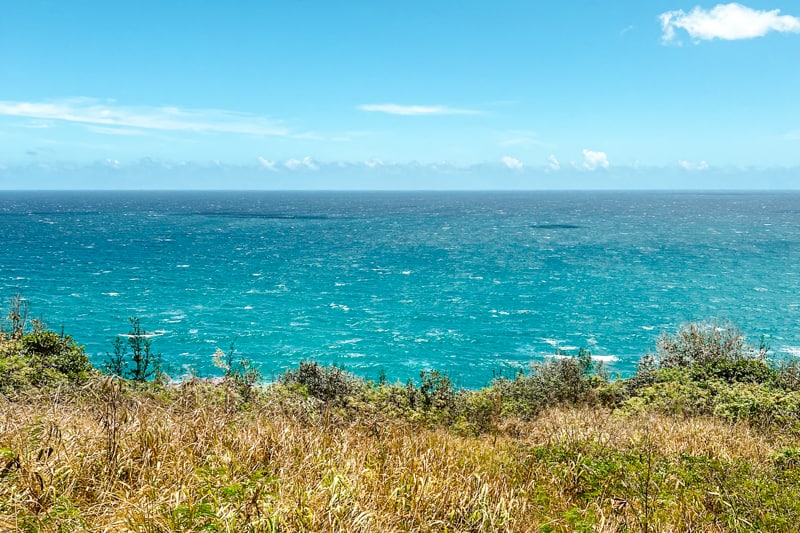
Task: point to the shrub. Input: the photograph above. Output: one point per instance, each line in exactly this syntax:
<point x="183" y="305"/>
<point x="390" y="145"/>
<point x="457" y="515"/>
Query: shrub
<point x="326" y="383"/>
<point x="704" y="344"/>
<point x="561" y="380"/>
<point x="145" y="362"/>
<point x="46" y="350"/>
<point x="436" y="391"/>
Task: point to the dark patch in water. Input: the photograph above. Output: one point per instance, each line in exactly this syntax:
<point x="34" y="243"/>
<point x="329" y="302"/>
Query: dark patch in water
<point x="266" y="216"/>
<point x="555" y="226"/>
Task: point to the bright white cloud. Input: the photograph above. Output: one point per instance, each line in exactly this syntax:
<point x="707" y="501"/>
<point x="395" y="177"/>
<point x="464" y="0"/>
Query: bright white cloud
<point x="688" y="165"/>
<point x="594" y="160"/>
<point x="409" y="110"/>
<point x="266" y="163"/>
<point x="109" y="114"/>
<point x="552" y="163"/>
<point x="726" y="21"/>
<point x="512" y="162"/>
<point x="301" y="164"/>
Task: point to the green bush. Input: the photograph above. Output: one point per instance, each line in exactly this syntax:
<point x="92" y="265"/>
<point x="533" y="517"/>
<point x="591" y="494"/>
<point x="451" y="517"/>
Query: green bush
<point x="561" y="380"/>
<point x="330" y="384"/>
<point x="704" y="344"/>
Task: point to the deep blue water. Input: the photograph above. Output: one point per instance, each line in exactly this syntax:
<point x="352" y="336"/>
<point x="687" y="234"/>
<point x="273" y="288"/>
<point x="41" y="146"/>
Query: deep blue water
<point x="470" y="283"/>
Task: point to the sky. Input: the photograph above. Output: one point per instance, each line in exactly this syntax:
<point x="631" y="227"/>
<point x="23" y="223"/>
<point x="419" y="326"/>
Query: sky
<point x="399" y="95"/>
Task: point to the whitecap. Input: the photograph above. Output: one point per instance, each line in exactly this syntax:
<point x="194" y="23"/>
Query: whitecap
<point x="193" y="332"/>
<point x="145" y="336"/>
<point x="648" y="328"/>
<point x="349" y="341"/>
<point x="112" y="294"/>
<point x="552" y="342"/>
<point x="181" y="266"/>
<point x="605" y="358"/>
<point x="247" y="307"/>
<point x="794" y="351"/>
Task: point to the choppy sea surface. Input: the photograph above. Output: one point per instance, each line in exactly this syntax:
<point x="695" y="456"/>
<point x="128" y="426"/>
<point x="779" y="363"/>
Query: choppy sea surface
<point x="471" y="283"/>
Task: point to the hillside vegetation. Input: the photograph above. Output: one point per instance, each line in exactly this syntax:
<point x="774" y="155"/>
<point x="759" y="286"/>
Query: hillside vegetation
<point x="704" y="437"/>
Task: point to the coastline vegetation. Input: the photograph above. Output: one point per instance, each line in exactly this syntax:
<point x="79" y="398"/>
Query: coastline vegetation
<point x="705" y="436"/>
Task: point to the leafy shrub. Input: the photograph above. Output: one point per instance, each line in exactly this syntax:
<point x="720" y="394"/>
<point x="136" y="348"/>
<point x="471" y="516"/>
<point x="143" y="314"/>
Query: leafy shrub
<point x="436" y="390"/>
<point x="704" y="344"/>
<point x="46" y="350"/>
<point x="39" y="357"/>
<point x="326" y="383"/>
<point x="561" y="380"/>
<point x="735" y="371"/>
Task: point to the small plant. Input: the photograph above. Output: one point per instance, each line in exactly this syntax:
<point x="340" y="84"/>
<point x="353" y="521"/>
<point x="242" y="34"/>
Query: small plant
<point x="240" y="372"/>
<point x="17" y="317"/>
<point x="143" y="364"/>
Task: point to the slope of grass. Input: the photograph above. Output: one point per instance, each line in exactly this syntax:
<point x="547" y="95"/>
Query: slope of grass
<point x="704" y="437"/>
<point x="109" y="457"/>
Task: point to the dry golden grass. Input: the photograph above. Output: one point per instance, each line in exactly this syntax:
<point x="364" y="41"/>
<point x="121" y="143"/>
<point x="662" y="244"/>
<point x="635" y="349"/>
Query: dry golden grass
<point x="106" y="459"/>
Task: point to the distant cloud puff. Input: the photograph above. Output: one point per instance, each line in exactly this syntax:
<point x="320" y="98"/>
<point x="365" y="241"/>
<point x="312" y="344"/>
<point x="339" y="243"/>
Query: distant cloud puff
<point x="594" y="160"/>
<point x="688" y="165"/>
<point x="512" y="162"/>
<point x="726" y="21"/>
<point x="301" y="164"/>
<point x="411" y="110"/>
<point x="552" y="163"/>
<point x="266" y="163"/>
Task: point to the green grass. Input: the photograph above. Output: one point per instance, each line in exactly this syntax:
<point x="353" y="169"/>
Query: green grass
<point x="704" y="437"/>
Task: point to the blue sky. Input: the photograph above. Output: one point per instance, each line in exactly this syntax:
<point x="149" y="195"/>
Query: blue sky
<point x="399" y="95"/>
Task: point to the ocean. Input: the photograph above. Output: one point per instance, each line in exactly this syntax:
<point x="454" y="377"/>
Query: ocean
<point x="476" y="284"/>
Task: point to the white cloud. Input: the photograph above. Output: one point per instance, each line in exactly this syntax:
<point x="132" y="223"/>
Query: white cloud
<point x="726" y="21"/>
<point x="594" y="160"/>
<point x="688" y="165"/>
<point x="301" y="164"/>
<point x="512" y="162"/>
<point x="109" y="114"/>
<point x="552" y="163"/>
<point x="373" y="163"/>
<point x="266" y="163"/>
<point x="408" y="110"/>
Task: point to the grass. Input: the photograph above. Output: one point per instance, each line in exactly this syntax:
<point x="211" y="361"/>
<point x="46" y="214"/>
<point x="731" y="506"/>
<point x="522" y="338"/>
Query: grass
<point x="185" y="459"/>
<point x="705" y="437"/>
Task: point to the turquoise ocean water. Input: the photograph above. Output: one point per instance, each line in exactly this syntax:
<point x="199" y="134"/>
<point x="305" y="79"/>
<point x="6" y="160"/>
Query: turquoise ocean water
<point x="470" y="283"/>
